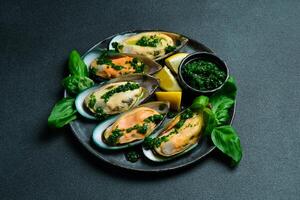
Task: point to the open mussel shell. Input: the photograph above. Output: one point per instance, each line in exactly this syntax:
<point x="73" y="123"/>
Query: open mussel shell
<point x="151" y="67"/>
<point x="152" y="155"/>
<point x="148" y="83"/>
<point x="161" y="107"/>
<point x="179" y="41"/>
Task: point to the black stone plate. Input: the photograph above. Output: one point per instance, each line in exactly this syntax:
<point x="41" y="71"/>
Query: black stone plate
<point x="83" y="128"/>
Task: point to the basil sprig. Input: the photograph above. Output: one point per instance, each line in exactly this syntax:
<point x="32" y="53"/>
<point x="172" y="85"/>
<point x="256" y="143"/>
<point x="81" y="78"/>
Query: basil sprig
<point x="223" y="136"/>
<point x="64" y="110"/>
<point x="78" y="79"/>
<point x="76" y="65"/>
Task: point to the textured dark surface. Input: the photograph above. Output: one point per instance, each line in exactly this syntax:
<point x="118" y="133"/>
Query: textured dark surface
<point x="259" y="40"/>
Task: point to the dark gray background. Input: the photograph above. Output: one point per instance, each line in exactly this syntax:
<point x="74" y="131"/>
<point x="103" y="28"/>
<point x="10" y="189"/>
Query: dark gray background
<point x="259" y="40"/>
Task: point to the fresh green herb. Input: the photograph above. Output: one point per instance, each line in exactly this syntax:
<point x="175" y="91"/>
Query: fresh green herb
<point x="92" y="101"/>
<point x="76" y="65"/>
<point x="149" y="41"/>
<point x="137" y="65"/>
<point x="76" y="84"/>
<point x="100" y="114"/>
<point x="200" y="103"/>
<point x="223" y="100"/>
<point x="117" y="46"/>
<point x="203" y="75"/>
<point x="226" y="139"/>
<point x="114" y="137"/>
<point x="132" y="156"/>
<point x="140" y="128"/>
<point x="63" y="113"/>
<point x="210" y="121"/>
<point x="121" y="88"/>
<point x="169" y="49"/>
<point x="154" y="118"/>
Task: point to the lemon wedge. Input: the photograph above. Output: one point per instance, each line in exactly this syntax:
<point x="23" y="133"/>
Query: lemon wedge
<point x="166" y="80"/>
<point x="173" y="97"/>
<point x="173" y="61"/>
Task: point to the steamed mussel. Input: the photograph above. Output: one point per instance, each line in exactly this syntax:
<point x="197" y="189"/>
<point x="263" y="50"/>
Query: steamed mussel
<point x="155" y="45"/>
<point x="178" y="136"/>
<point x="105" y="65"/>
<point x="131" y="127"/>
<point x="115" y="96"/>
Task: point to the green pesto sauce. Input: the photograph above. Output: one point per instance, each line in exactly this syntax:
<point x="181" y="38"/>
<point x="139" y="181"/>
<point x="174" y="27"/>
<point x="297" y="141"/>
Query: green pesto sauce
<point x="121" y="88"/>
<point x="154" y="118"/>
<point x="132" y="156"/>
<point x="114" y="137"/>
<point x="92" y="101"/>
<point x="105" y="60"/>
<point x="203" y="75"/>
<point x="140" y="128"/>
<point x="169" y="49"/>
<point x="149" y="41"/>
<point x="137" y="65"/>
<point x="117" y="46"/>
<point x="100" y="114"/>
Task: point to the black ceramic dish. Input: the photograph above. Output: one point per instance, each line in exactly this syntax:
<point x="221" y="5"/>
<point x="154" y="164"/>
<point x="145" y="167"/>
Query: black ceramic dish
<point x="83" y="129"/>
<point x="206" y="57"/>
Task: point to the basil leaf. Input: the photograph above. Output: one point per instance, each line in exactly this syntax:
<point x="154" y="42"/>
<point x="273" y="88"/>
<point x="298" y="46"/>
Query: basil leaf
<point x="76" y="84"/>
<point x="63" y="113"/>
<point x="76" y="65"/>
<point x="221" y="109"/>
<point x="229" y="89"/>
<point x="223" y="100"/>
<point x="210" y="121"/>
<point x="226" y="139"/>
<point x="200" y="103"/>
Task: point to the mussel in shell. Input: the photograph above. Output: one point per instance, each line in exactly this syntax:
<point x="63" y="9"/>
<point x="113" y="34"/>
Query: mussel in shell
<point x="131" y="127"/>
<point x="115" y="96"/>
<point x="155" y="45"/>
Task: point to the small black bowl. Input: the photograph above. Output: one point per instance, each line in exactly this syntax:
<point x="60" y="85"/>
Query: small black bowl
<point x="202" y="56"/>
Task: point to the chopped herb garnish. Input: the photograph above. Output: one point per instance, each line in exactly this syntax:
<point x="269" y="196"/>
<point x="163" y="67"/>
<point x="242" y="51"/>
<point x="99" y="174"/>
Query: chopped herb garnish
<point x="100" y="114"/>
<point x="169" y="49"/>
<point x="154" y="118"/>
<point x="114" y="137"/>
<point x="105" y="60"/>
<point x="121" y="88"/>
<point x="149" y="41"/>
<point x="117" y="67"/>
<point x="188" y="113"/>
<point x="92" y="101"/>
<point x="132" y="156"/>
<point x="117" y="46"/>
<point x="137" y="65"/>
<point x="140" y="128"/>
<point x="171" y="114"/>
<point x="150" y="143"/>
